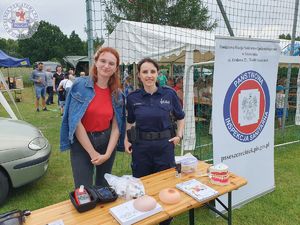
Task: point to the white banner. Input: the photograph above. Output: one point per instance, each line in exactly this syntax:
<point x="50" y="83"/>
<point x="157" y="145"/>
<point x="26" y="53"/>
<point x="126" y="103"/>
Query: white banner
<point x="243" y="112"/>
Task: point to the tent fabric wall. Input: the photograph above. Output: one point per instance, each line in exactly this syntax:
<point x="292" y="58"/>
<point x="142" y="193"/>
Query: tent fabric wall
<point x="74" y="60"/>
<point x="189" y="140"/>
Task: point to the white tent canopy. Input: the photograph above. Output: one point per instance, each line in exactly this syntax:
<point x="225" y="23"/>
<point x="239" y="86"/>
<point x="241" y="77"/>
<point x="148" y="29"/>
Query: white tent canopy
<point x="136" y="40"/>
<point x="167" y="44"/>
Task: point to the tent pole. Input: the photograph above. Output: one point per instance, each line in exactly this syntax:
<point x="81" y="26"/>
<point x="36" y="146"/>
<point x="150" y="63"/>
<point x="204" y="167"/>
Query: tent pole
<point x="134" y="76"/>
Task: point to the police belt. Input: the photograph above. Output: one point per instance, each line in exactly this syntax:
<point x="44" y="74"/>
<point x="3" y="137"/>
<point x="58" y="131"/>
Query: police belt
<point x="155" y="135"/>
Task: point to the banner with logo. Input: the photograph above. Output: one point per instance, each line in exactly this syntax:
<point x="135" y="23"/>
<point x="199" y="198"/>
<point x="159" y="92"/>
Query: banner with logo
<point x="244" y="92"/>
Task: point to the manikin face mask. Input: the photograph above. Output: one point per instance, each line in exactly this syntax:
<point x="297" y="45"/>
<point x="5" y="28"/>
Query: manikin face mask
<point x="14" y="217"/>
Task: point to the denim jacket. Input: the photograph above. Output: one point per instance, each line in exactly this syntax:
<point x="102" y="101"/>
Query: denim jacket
<point x="79" y="97"/>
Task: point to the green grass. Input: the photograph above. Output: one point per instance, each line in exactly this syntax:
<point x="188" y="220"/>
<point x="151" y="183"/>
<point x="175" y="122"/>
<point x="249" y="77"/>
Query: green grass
<point x="281" y="207"/>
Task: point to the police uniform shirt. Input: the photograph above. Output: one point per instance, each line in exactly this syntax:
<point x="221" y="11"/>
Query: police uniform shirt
<point x="152" y="112"/>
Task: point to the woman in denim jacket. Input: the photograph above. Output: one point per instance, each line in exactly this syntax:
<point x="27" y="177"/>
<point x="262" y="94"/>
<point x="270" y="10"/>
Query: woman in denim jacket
<point x="93" y="119"/>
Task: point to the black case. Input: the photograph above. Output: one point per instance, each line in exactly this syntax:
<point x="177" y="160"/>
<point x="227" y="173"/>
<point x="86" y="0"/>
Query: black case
<point x="97" y="194"/>
<point x="87" y="206"/>
<point x="105" y="194"/>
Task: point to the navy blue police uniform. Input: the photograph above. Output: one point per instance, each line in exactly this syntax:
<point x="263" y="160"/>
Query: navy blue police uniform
<point x="152" y="152"/>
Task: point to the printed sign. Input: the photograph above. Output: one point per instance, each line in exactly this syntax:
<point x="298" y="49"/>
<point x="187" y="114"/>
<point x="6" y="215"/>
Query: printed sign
<point x="246" y="106"/>
<point x="244" y="84"/>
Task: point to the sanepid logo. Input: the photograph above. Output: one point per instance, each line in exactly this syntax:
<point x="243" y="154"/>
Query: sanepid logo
<point x="246" y="106"/>
<point x="20" y="20"/>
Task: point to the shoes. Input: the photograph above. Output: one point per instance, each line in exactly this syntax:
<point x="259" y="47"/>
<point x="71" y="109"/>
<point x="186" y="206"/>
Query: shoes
<point x="37" y="109"/>
<point x="45" y="109"/>
<point x="47" y="103"/>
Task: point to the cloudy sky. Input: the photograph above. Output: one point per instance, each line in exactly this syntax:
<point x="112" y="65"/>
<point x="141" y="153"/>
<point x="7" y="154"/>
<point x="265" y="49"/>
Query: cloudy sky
<point x="68" y="15"/>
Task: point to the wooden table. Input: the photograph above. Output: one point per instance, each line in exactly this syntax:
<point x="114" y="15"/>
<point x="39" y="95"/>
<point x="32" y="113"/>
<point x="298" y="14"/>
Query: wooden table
<point x="153" y="184"/>
<point x="17" y="93"/>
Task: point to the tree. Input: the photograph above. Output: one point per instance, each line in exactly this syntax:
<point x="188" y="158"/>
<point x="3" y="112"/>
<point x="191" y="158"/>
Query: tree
<point x="288" y="37"/>
<point x="74" y="45"/>
<point x="10" y="47"/>
<point x="98" y="42"/>
<point x="182" y="13"/>
<point x="46" y="43"/>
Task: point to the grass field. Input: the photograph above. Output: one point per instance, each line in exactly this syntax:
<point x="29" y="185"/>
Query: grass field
<point x="281" y="207"/>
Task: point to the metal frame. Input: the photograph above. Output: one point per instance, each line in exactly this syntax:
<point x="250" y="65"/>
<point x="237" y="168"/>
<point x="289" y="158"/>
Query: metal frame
<point x="228" y="208"/>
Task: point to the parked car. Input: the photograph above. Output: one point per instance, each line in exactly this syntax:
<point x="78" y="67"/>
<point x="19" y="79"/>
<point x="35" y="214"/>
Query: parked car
<point x="24" y="155"/>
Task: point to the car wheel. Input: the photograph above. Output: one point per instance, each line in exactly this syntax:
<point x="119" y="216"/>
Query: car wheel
<point x="4" y="187"/>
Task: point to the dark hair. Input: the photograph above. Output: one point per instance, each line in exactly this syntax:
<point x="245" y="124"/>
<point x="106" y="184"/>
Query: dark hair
<point x="40" y="63"/>
<point x="149" y="61"/>
<point x="57" y="67"/>
<point x="114" y="81"/>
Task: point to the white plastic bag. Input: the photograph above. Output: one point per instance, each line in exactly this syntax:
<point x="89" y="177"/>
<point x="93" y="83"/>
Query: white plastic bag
<point x="127" y="186"/>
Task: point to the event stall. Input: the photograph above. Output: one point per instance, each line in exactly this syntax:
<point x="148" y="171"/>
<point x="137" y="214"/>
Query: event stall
<point x="172" y="45"/>
<point x="9" y="62"/>
<point x="167" y="44"/>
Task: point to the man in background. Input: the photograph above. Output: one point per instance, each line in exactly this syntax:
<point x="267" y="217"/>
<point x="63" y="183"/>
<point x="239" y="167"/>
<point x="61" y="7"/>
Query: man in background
<point x="39" y="79"/>
<point x="162" y="79"/>
<point x="49" y="88"/>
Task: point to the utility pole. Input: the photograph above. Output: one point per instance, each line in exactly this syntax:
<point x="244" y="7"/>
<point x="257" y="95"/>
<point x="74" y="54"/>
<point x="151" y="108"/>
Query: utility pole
<point x="287" y="86"/>
<point x="89" y="31"/>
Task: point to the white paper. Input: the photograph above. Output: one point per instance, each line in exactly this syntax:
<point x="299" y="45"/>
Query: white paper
<point x="126" y="214"/>
<point x="57" y="222"/>
<point x="197" y="190"/>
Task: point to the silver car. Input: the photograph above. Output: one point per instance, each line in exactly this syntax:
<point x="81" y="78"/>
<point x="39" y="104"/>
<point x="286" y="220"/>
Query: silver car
<point x="24" y="154"/>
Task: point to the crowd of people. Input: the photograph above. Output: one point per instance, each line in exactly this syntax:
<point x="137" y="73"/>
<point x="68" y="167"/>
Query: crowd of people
<point x="45" y="82"/>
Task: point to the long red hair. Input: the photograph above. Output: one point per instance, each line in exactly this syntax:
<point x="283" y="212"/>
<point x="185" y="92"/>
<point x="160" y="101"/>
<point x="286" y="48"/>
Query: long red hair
<point x="114" y="81"/>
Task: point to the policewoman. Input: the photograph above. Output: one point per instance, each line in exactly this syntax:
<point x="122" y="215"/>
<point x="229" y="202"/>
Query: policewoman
<point x="93" y="120"/>
<point x="150" y="111"/>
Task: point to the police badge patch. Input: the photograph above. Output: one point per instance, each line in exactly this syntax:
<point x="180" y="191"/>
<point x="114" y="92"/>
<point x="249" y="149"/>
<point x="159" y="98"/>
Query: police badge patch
<point x="246" y="106"/>
<point x="20" y="20"/>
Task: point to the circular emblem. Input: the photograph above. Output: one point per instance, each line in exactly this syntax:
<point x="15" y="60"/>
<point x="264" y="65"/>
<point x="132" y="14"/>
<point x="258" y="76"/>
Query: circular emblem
<point x="246" y="106"/>
<point x="20" y="20"/>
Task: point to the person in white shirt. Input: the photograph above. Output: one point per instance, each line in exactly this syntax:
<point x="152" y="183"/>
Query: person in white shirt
<point x="63" y="90"/>
<point x="49" y="88"/>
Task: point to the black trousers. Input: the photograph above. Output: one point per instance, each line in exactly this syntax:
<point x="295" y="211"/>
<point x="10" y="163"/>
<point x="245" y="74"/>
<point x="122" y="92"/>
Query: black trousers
<point x="149" y="157"/>
<point x="82" y="168"/>
<point x="49" y="91"/>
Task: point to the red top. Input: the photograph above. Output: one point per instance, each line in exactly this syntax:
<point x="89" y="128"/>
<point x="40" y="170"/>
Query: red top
<point x="99" y="113"/>
<point x="176" y="88"/>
